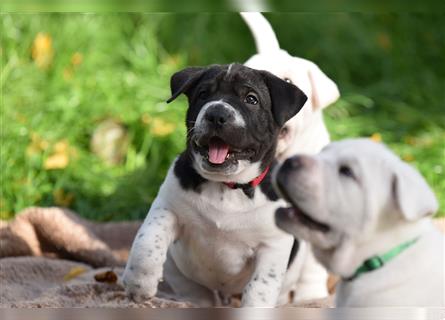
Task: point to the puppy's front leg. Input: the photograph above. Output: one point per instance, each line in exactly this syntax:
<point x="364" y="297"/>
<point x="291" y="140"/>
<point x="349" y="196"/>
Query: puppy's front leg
<point x="148" y="254"/>
<point x="264" y="286"/>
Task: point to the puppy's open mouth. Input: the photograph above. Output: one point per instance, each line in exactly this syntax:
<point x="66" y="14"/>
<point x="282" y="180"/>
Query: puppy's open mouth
<point x="219" y="153"/>
<point x="295" y="212"/>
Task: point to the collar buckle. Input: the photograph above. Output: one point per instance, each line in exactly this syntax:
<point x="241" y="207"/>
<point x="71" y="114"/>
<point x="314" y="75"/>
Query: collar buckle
<point x="378" y="261"/>
<point x="374" y="263"/>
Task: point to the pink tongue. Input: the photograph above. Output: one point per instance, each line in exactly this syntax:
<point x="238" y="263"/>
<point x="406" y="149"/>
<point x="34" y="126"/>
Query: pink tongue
<point x="218" y="152"/>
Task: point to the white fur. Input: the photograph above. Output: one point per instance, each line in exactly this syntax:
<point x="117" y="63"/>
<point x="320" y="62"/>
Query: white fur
<point x="386" y="204"/>
<point x="263" y="34"/>
<point x="306" y="131"/>
<point x="229" y="69"/>
<point x="233" y="248"/>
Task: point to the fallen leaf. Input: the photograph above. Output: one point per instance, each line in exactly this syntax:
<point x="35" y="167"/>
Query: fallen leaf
<point x="146" y="119"/>
<point x="61" y="146"/>
<point x="60" y="157"/>
<point x="67" y="73"/>
<point x="76" y="59"/>
<point x="410" y="140"/>
<point x="384" y="41"/>
<point x="107" y="277"/>
<point x="37" y="145"/>
<point x="408" y="157"/>
<point x="110" y="141"/>
<point x="62" y="198"/>
<point x="42" y="50"/>
<point x="160" y="127"/>
<point x="377" y="137"/>
<point x="56" y="161"/>
<point x="74" y="273"/>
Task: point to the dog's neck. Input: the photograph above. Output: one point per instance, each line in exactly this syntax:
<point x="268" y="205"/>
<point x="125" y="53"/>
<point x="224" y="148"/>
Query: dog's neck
<point x="378" y="261"/>
<point x="350" y="255"/>
<point x="253" y="183"/>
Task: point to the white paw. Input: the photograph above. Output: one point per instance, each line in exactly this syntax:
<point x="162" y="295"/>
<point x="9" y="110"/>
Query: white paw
<point x="140" y="285"/>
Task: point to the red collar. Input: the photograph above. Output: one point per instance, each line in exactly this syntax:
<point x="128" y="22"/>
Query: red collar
<point x="255" y="182"/>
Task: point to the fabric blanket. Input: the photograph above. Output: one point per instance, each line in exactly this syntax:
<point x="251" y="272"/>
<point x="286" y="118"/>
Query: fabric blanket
<point x="50" y="257"/>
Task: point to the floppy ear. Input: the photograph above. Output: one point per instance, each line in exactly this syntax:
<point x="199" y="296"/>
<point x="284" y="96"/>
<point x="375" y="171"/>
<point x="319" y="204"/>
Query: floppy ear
<point x="286" y="98"/>
<point x="413" y="196"/>
<point x="324" y="90"/>
<point x="182" y="81"/>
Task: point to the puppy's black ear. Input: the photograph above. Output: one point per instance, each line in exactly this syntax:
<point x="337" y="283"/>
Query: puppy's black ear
<point x="286" y="98"/>
<point x="184" y="80"/>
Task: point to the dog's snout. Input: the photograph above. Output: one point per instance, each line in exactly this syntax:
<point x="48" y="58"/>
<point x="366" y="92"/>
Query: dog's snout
<point x="218" y="115"/>
<point x="297" y="163"/>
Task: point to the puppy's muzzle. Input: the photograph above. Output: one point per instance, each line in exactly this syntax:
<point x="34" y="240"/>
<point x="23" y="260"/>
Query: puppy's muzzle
<point x="218" y="116"/>
<point x="292" y="166"/>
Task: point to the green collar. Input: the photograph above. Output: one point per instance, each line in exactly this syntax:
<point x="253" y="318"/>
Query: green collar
<point x="376" y="262"/>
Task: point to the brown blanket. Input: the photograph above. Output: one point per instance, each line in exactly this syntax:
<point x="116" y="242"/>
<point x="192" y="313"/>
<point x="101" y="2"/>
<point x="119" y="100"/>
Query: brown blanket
<point x="50" y="257"/>
<point x="35" y="270"/>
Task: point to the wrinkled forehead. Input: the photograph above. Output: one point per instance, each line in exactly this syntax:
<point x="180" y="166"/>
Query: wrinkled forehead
<point x="236" y="75"/>
<point x="362" y="151"/>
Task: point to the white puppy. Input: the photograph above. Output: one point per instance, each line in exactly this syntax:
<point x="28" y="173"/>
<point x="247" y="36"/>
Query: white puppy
<point x="367" y="215"/>
<point x="305" y="132"/>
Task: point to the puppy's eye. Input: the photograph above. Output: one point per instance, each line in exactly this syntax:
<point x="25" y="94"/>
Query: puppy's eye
<point x="346" y="171"/>
<point x="251" y="98"/>
<point x="288" y="80"/>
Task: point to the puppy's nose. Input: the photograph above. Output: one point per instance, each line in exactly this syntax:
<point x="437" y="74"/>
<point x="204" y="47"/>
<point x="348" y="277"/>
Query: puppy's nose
<point x="297" y="162"/>
<point x="218" y="115"/>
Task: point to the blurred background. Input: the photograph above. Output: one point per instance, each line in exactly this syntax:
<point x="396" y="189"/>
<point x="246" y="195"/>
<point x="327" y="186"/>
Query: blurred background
<point x="84" y="123"/>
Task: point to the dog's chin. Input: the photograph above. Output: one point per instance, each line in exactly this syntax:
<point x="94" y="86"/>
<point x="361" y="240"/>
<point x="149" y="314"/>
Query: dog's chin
<point x="294" y="215"/>
<point x="290" y="218"/>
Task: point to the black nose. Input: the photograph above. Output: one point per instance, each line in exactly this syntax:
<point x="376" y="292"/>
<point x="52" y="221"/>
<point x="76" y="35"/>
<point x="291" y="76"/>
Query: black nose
<point x="218" y="115"/>
<point x="296" y="162"/>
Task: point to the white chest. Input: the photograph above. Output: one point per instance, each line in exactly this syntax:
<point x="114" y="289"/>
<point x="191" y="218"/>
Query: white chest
<point x="220" y="231"/>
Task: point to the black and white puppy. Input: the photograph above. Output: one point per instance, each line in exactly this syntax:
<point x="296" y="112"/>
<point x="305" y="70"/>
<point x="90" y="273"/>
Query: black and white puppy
<point x="211" y="227"/>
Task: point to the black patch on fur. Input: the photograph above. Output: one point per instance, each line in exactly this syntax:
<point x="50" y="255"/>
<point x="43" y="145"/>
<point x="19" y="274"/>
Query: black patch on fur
<point x="186" y="174"/>
<point x="266" y="185"/>
<point x="248" y="190"/>
<point x="293" y="252"/>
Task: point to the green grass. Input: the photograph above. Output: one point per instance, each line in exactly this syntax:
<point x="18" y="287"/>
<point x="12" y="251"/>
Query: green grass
<point x="390" y="69"/>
